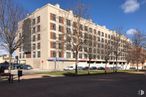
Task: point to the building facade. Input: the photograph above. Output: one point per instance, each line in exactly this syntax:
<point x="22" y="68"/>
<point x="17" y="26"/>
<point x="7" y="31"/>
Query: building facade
<point x="46" y="33"/>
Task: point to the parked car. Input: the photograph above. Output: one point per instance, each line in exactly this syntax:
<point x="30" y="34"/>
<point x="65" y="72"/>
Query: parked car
<point x="69" y="68"/>
<point x="132" y="68"/>
<point x="80" y="68"/>
<point x="93" y="68"/>
<point x="86" y="68"/>
<point x="101" y="68"/>
<point x="4" y="65"/>
<point x="21" y="66"/>
<point x="25" y="67"/>
<point x="115" y="68"/>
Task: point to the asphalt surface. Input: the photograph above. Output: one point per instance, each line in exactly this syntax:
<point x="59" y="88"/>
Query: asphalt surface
<point x="110" y="85"/>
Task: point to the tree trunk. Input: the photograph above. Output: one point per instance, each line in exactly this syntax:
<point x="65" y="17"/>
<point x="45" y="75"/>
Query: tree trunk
<point x="10" y="62"/>
<point x="76" y="64"/>
<point x="142" y="66"/>
<point x="89" y="68"/>
<point x="137" y="66"/>
<point x="126" y="66"/>
<point x="116" y="64"/>
<point x="105" y="71"/>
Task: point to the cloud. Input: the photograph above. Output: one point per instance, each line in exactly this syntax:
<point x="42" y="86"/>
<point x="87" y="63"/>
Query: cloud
<point x="130" y="6"/>
<point x="2" y="52"/>
<point x="131" y="31"/>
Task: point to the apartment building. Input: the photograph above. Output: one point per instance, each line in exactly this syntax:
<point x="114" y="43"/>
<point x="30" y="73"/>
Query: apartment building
<point x="46" y="31"/>
<point x="5" y="58"/>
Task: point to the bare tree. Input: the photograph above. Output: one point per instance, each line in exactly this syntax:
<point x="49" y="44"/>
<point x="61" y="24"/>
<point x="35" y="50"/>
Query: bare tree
<point x="108" y="49"/>
<point x="128" y="52"/>
<point x="75" y="40"/>
<point x="137" y="44"/>
<point x="10" y="15"/>
<point x="116" y="43"/>
<point x="143" y="58"/>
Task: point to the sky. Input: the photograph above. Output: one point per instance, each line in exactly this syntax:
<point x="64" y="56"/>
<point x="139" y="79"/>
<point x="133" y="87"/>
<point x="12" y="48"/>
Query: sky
<point x="126" y="14"/>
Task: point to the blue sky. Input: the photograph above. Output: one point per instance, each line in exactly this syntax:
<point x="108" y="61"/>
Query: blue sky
<point x="126" y="14"/>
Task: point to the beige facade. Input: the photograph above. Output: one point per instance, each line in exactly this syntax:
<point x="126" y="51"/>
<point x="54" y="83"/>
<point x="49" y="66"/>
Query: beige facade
<point x="47" y="26"/>
<point x="5" y="58"/>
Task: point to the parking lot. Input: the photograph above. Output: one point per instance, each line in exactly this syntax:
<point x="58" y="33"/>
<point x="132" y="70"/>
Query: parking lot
<point x="110" y="85"/>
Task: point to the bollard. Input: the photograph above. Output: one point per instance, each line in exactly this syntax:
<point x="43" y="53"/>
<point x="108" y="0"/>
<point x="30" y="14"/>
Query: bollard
<point x="19" y="74"/>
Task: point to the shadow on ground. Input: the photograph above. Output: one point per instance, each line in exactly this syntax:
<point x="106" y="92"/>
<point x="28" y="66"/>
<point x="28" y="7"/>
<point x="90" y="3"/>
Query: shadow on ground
<point x="109" y="85"/>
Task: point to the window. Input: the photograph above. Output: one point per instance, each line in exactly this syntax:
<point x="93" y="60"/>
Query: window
<point x="105" y="35"/>
<point x="74" y="40"/>
<point x="61" y="20"/>
<point x="105" y="40"/>
<point x="33" y="30"/>
<point x="53" y="44"/>
<point x="33" y="39"/>
<point x="74" y="24"/>
<point x="98" y="45"/>
<point x="38" y="37"/>
<point x="38" y="28"/>
<point x="86" y="28"/>
<point x="60" y="28"/>
<point x="99" y="39"/>
<point x="94" y="31"/>
<point x="53" y="35"/>
<point x="80" y="48"/>
<point x="52" y="16"/>
<point x="94" y="56"/>
<point x="85" y="49"/>
<point x="80" y="55"/>
<point x="85" y="55"/>
<point x="38" y="19"/>
<point x="102" y="40"/>
<point x="23" y="55"/>
<point x="68" y="22"/>
<point x="20" y="55"/>
<point x="99" y="33"/>
<point x="53" y="53"/>
<point x="33" y="22"/>
<point x="60" y="54"/>
<point x="102" y="46"/>
<point x="98" y="57"/>
<point x="68" y="55"/>
<point x="98" y="51"/>
<point x="60" y="36"/>
<point x="74" y="55"/>
<point x="68" y="30"/>
<point x="60" y="46"/>
<point x="102" y="34"/>
<point x="109" y="36"/>
<point x="33" y="46"/>
<point x="81" y="27"/>
<point x="94" y="51"/>
<point x="53" y="26"/>
<point x="74" y="32"/>
<point x="34" y="54"/>
<point x="68" y="38"/>
<point x="68" y="47"/>
<point x="90" y="30"/>
<point x="39" y="54"/>
<point x="38" y="45"/>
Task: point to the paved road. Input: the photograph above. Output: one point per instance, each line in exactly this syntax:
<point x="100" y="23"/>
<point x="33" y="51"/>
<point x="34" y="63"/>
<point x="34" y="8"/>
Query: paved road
<point x="111" y="85"/>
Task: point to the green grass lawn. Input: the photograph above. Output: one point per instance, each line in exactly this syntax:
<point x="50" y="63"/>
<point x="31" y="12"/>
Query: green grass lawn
<point x="80" y="72"/>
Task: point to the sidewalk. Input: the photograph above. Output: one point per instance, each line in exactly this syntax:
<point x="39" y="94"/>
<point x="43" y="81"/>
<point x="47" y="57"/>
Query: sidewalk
<point x="34" y="76"/>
